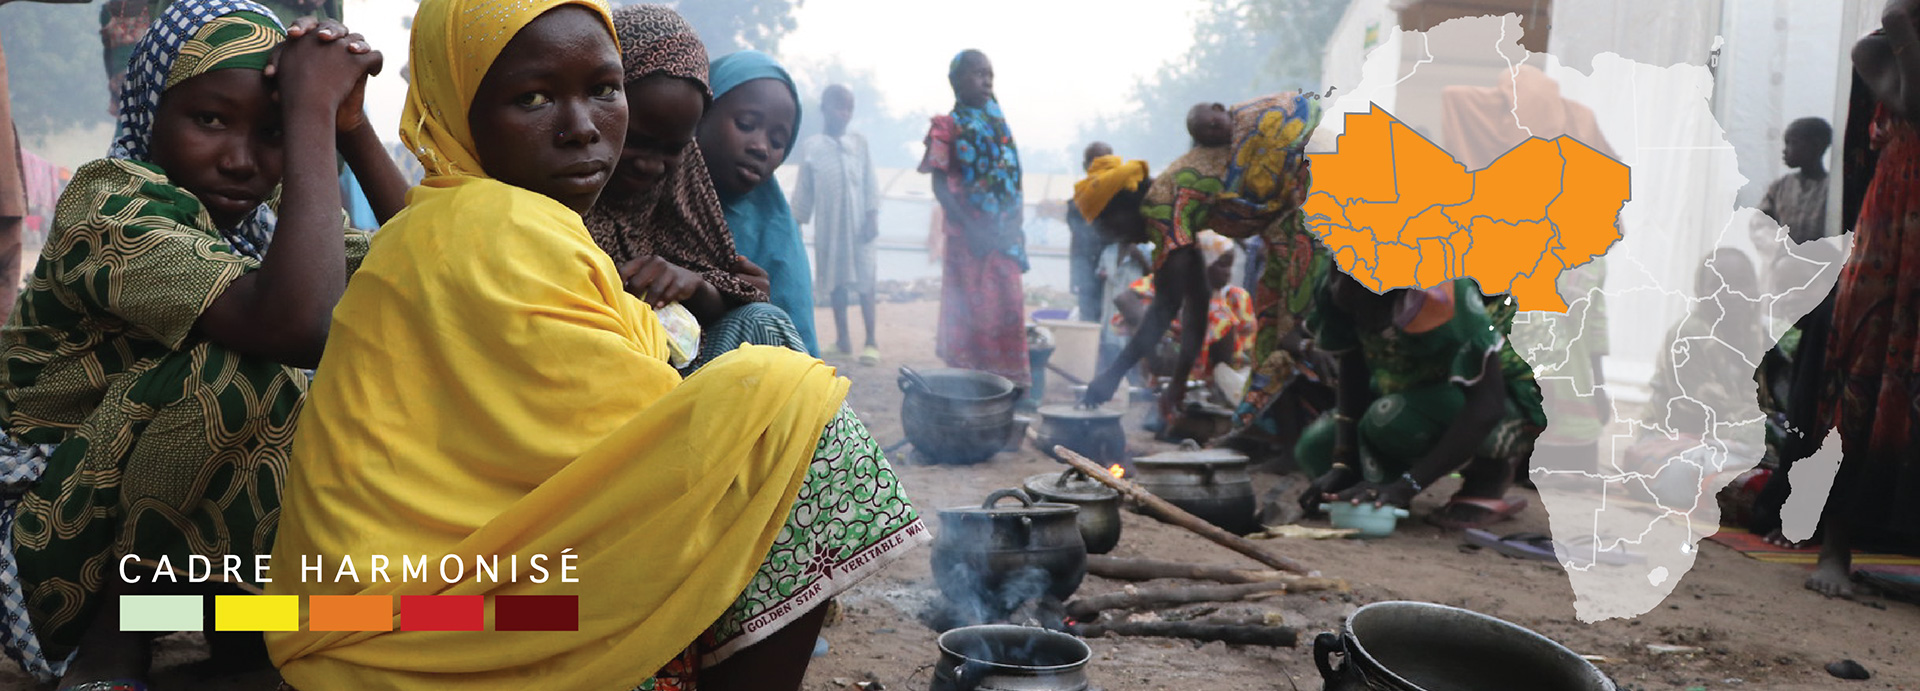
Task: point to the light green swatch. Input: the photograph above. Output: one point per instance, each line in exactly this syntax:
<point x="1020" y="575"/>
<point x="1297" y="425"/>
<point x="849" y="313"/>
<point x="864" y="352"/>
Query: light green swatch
<point x="162" y="613"/>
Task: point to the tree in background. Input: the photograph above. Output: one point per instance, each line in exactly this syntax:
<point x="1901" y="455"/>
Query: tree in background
<point x="53" y="67"/>
<point x="727" y="26"/>
<point x="1241" y="49"/>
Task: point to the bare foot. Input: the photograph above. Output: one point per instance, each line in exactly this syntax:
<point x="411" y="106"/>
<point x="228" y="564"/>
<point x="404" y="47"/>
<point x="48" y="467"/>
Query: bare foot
<point x="1831" y="580"/>
<point x="1778" y="540"/>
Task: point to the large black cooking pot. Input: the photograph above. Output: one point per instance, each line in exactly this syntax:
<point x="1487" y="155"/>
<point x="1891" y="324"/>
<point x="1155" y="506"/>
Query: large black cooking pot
<point x="956" y="416"/>
<point x="1010" y="658"/>
<point x="1212" y="484"/>
<point x="989" y="559"/>
<point x="1421" y="646"/>
<point x="1099" y="504"/>
<point x="1092" y="432"/>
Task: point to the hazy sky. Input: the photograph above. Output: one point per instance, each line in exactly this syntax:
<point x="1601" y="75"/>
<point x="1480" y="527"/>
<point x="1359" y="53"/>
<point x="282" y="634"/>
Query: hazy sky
<point x="1056" y="62"/>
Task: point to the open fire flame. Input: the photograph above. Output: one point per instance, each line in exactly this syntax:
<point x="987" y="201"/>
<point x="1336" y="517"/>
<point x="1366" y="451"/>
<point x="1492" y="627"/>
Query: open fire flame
<point x="1116" y="471"/>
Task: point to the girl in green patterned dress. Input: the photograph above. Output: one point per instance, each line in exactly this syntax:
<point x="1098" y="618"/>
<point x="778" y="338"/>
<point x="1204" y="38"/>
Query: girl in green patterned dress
<point x="1427" y="386"/>
<point x="153" y="369"/>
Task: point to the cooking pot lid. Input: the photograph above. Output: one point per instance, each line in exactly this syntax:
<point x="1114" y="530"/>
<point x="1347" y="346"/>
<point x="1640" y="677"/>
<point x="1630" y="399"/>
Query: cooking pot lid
<point x="1212" y="457"/>
<point x="1024" y="507"/>
<point x="1075" y="487"/>
<point x="1074" y="412"/>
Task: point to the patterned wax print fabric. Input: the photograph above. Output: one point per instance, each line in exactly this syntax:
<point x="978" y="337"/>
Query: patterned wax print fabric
<point x="1295" y="262"/>
<point x="1873" y="350"/>
<point x="1179" y="205"/>
<point x="1421" y="380"/>
<point x="1268" y="173"/>
<point x="168" y="445"/>
<point x="1229" y="318"/>
<point x="983" y="323"/>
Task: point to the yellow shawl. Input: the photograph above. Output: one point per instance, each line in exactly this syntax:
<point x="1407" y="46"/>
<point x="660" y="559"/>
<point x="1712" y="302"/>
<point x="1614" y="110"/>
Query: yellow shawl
<point x="490" y="390"/>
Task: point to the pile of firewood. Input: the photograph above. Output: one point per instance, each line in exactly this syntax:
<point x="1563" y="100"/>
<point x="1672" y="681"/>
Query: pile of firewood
<point x="1112" y="613"/>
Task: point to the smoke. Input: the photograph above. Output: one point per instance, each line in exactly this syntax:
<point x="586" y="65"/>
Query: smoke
<point x="976" y="595"/>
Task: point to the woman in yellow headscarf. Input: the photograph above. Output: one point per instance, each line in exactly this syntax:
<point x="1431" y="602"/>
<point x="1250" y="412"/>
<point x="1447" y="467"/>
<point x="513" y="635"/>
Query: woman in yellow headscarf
<point x="492" y="394"/>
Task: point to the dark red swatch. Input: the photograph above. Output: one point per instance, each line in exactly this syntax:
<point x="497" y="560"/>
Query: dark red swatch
<point x="536" y="613"/>
<point x="443" y="613"/>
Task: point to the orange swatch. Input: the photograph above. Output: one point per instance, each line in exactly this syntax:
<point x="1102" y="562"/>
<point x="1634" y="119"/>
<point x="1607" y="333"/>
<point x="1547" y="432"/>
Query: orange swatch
<point x="350" y="613"/>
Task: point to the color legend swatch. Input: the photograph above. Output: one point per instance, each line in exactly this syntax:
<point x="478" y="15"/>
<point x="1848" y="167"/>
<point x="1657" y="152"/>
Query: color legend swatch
<point x="256" y="613"/>
<point x="166" y="613"/>
<point x="350" y="613"/>
<point x="443" y="613"/>
<point x="536" y="613"/>
<point x="161" y="613"/>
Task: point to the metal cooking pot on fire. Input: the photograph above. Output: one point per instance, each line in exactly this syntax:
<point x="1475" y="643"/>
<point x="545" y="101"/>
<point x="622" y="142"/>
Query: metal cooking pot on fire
<point x="1010" y="658"/>
<point x="997" y="557"/>
<point x="1099" y="518"/>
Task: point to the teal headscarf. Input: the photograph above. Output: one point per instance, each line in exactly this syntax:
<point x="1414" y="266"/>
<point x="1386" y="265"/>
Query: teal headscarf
<point x="762" y="224"/>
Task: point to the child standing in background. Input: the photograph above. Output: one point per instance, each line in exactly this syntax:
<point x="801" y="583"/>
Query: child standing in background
<point x="745" y="135"/>
<point x="838" y="193"/>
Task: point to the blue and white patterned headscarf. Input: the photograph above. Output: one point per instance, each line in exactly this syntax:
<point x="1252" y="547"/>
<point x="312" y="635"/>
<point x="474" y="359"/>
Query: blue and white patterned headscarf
<point x="147" y="73"/>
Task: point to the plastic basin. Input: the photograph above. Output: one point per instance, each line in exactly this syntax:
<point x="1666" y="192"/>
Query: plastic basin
<point x="1366" y="518"/>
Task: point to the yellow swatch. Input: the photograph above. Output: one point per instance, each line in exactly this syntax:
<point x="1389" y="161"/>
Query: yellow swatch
<point x="256" y="613"/>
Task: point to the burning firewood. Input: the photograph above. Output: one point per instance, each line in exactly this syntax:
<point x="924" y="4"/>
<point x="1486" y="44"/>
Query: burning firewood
<point x="1130" y="569"/>
<point x="1233" y="631"/>
<point x="1087" y="608"/>
<point x="1174" y="515"/>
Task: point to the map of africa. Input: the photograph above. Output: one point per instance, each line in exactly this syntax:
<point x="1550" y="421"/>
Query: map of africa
<point x="1458" y="154"/>
<point x="1396" y="211"/>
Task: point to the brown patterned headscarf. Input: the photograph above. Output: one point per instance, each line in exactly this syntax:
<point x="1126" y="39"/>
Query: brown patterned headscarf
<point x="680" y="219"/>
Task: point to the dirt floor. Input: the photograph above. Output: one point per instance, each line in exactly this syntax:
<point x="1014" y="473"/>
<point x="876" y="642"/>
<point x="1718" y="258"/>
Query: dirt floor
<point x="1756" y="627"/>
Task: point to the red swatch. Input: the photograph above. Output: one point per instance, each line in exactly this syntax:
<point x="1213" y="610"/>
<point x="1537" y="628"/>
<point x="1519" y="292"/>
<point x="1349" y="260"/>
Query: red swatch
<point x="536" y="613"/>
<point x="443" y="613"/>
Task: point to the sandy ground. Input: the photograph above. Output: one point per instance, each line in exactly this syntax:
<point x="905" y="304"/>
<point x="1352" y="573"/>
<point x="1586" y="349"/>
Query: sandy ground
<point x="1757" y="627"/>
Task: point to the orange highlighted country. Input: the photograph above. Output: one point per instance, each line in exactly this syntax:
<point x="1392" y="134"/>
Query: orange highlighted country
<point x="1388" y="199"/>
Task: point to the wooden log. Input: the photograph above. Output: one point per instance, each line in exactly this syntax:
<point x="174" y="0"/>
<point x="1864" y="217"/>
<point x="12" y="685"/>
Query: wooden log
<point x="1228" y="631"/>
<point x="1130" y="569"/>
<point x="1168" y="513"/>
<point x="1087" y="608"/>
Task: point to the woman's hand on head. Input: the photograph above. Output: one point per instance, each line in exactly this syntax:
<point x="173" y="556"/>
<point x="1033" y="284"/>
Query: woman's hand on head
<point x="659" y="282"/>
<point x="323" y="65"/>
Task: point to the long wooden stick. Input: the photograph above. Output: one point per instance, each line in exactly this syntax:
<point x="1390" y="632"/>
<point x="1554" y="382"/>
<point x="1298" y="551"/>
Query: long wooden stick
<point x="1232" y="632"/>
<point x="1087" y="608"/>
<point x="1065" y="375"/>
<point x="1130" y="569"/>
<point x="1174" y="515"/>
